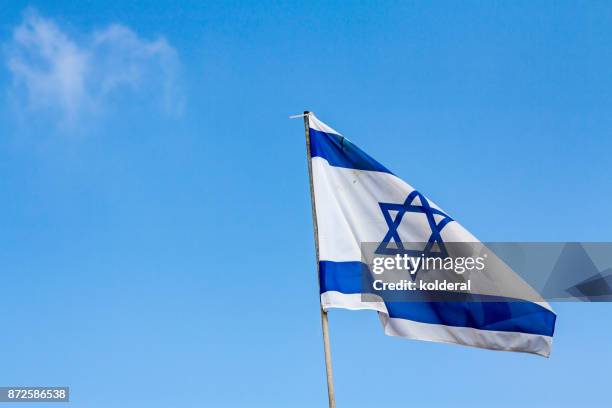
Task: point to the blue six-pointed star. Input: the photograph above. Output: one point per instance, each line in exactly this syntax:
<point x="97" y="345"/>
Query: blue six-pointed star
<point x="411" y="204"/>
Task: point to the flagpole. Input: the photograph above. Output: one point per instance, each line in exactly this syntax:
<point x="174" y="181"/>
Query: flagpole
<point x="324" y="321"/>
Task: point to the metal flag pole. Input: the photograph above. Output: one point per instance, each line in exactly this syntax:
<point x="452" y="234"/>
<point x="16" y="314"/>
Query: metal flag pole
<point x="324" y="322"/>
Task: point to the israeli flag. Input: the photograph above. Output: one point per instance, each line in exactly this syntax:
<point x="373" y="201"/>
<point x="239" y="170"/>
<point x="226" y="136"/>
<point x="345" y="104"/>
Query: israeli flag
<point x="356" y="199"/>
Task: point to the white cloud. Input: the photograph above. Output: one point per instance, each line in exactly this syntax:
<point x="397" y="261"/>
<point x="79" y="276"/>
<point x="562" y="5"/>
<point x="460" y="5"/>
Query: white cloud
<point x="70" y="77"/>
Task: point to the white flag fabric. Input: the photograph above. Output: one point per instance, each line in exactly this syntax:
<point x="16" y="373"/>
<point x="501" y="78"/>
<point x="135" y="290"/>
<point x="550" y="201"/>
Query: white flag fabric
<point x="350" y="189"/>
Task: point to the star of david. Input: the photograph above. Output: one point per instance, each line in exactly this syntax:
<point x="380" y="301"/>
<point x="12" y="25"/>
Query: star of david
<point x="436" y="219"/>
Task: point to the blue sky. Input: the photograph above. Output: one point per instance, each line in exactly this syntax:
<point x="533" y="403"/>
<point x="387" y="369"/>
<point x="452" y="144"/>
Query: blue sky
<point x="157" y="244"/>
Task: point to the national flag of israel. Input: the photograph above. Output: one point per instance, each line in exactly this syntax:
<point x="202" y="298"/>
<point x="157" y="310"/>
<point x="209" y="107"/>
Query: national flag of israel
<point x="356" y="199"/>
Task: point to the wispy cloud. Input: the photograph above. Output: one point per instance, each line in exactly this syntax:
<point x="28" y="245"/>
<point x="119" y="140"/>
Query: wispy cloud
<point x="70" y="77"/>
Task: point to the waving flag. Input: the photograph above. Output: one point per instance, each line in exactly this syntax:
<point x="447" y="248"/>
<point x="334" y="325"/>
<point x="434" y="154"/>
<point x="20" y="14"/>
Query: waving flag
<point x="359" y="200"/>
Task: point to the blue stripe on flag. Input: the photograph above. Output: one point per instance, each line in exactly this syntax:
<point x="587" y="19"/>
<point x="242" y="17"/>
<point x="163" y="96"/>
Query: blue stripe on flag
<point x="512" y="316"/>
<point x="342" y="277"/>
<point x="340" y="152"/>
